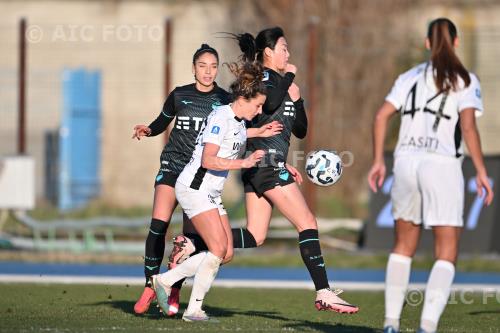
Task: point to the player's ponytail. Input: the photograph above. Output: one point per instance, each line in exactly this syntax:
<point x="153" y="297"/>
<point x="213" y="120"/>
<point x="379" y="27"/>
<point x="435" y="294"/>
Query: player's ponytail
<point x="248" y="83"/>
<point x="246" y="42"/>
<point x="442" y="34"/>
<point x="253" y="48"/>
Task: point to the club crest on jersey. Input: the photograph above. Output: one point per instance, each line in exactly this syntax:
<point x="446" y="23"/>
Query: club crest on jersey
<point x="478" y="93"/>
<point x="266" y="76"/>
<point x="215" y="130"/>
<point x="284" y="174"/>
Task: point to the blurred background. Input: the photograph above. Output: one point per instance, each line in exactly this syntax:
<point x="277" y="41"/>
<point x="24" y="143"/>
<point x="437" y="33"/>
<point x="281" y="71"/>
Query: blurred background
<point x="76" y="76"/>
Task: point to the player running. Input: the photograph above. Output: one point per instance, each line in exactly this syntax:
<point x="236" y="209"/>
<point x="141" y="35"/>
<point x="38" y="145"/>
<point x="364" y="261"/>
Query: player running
<point x="273" y="182"/>
<point x="438" y="102"/>
<point x="199" y="187"/>
<point x="189" y="105"/>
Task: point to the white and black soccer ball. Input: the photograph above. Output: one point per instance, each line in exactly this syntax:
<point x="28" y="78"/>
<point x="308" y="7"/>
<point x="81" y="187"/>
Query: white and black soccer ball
<point x="323" y="167"/>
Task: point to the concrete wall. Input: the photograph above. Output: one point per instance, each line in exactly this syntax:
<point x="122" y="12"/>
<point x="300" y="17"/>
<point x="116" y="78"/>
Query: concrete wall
<point x="124" y="39"/>
<point x="479" y="49"/>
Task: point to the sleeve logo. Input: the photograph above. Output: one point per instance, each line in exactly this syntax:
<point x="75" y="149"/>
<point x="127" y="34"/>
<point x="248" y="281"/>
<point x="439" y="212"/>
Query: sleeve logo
<point x="478" y="93"/>
<point x="266" y="76"/>
<point x="215" y="130"/>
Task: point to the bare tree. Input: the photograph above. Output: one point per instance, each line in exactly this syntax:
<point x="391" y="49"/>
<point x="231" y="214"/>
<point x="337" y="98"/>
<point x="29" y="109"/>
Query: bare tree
<point x="363" y="45"/>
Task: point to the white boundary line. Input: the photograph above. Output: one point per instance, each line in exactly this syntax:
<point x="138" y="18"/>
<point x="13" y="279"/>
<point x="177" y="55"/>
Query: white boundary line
<point x="226" y="283"/>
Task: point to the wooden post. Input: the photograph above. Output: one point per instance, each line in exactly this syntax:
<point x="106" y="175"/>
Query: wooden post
<point x="21" y="125"/>
<point x="167" y="68"/>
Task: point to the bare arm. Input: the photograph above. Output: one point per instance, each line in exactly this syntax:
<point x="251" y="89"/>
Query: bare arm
<point x="473" y="142"/>
<point x="211" y="161"/>
<point x="253" y="132"/>
<point x="267" y="130"/>
<point x="376" y="175"/>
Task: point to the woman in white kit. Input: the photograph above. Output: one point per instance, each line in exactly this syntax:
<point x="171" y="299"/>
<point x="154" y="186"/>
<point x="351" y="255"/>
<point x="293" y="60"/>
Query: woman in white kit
<point x="199" y="186"/>
<point x="438" y="102"/>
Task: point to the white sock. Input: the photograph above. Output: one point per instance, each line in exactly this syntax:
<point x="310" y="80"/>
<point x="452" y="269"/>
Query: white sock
<point x="203" y="279"/>
<point x="397" y="277"/>
<point x="437" y="293"/>
<point x="186" y="269"/>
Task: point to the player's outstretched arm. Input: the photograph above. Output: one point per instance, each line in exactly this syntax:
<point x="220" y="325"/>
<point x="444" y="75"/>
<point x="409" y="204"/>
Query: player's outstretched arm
<point x="167" y="114"/>
<point x="271" y="129"/>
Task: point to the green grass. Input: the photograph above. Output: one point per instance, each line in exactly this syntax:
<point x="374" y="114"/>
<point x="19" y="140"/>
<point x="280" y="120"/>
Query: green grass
<point x="74" y="308"/>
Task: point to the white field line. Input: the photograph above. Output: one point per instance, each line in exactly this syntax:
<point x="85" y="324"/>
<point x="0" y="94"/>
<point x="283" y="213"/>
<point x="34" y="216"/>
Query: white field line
<point x="227" y="283"/>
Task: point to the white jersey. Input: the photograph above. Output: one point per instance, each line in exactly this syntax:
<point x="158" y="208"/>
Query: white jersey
<point x="430" y="121"/>
<point x="224" y="129"/>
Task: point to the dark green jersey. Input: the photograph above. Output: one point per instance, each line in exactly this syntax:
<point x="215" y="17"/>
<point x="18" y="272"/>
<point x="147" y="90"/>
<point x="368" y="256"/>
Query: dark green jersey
<point x="190" y="108"/>
<point x="278" y="106"/>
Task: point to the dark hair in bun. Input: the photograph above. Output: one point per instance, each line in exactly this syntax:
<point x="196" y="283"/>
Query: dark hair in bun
<point x="205" y="48"/>
<point x="253" y="48"/>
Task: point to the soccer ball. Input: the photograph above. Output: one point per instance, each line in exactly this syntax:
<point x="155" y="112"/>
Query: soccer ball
<point x="323" y="167"/>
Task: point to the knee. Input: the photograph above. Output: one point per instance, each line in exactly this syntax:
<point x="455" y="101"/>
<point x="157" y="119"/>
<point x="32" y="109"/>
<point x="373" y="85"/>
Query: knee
<point x="220" y="250"/>
<point x="228" y="257"/>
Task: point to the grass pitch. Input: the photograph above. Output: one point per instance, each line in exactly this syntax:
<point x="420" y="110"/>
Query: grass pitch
<point x="97" y="308"/>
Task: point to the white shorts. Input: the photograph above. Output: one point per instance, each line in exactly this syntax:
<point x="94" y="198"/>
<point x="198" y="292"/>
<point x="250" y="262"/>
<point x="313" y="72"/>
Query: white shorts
<point x="428" y="189"/>
<point x="194" y="202"/>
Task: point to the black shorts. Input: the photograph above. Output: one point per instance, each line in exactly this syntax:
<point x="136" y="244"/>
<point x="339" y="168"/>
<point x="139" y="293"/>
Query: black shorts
<point x="166" y="178"/>
<point x="260" y="180"/>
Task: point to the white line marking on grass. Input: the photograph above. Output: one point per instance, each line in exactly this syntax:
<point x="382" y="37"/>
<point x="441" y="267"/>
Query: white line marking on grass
<point x="225" y="283"/>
